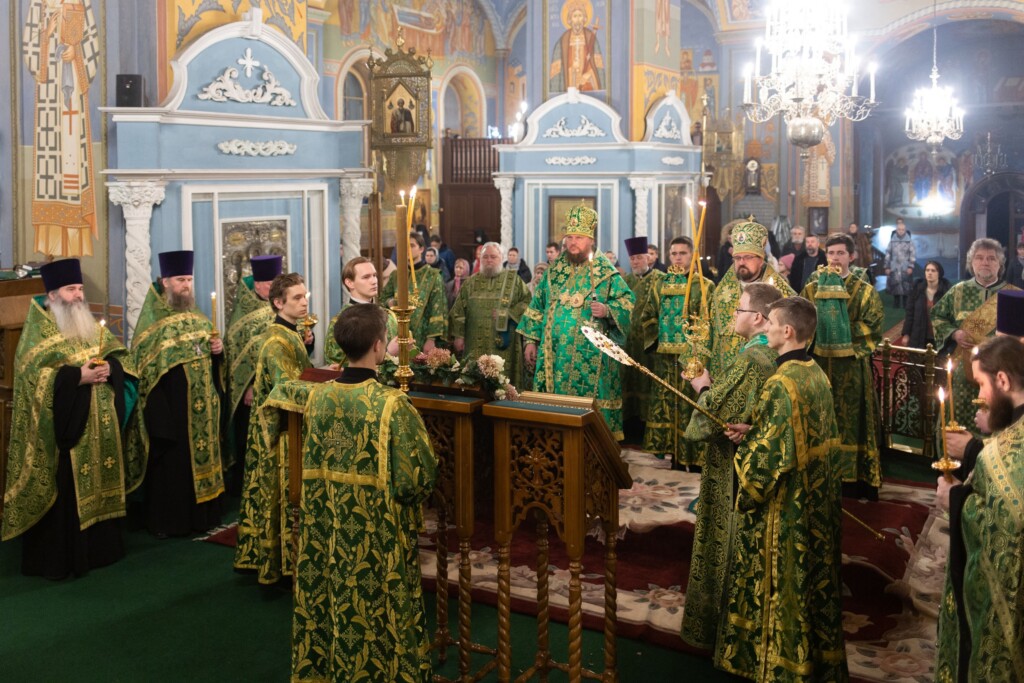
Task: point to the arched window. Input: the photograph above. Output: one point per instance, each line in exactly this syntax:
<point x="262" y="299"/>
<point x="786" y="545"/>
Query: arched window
<point x="353" y="98"/>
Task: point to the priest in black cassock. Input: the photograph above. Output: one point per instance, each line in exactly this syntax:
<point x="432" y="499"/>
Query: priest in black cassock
<point x="66" y="472"/>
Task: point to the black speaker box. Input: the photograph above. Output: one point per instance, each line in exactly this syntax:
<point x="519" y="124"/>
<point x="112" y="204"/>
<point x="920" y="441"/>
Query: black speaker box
<point x="129" y="90"/>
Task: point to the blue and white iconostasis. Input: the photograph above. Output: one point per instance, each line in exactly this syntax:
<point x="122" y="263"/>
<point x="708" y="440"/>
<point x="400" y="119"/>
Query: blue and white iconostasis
<point x="239" y="160"/>
<point x="574" y="151"/>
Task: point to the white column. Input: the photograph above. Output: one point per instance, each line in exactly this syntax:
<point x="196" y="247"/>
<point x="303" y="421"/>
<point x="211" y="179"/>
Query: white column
<point x="642" y="189"/>
<point x="505" y="187"/>
<point x="136" y="199"/>
<point x="353" y="191"/>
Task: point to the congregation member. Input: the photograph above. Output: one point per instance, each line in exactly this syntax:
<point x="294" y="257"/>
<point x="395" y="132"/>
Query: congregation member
<point x="796" y="241"/>
<point x="981" y="623"/>
<point x="806" y="262"/>
<point x="429" y="320"/>
<point x="850" y="317"/>
<point x="782" y="617"/>
<point x="966" y="316"/>
<point x="748" y="265"/>
<point x="861" y="245"/>
<point x="732" y="397"/>
<point x="359" y="276"/>
<point x="486" y="312"/>
<point x="176" y="427"/>
<point x="250" y="317"/>
<point x="538" y="272"/>
<point x="67" y="470"/>
<point x="443" y="251"/>
<point x="452" y="287"/>
<point x="917" y="328"/>
<point x="1015" y="268"/>
<point x="552" y="251"/>
<point x="434" y="261"/>
<point x="667" y="414"/>
<point x="654" y="258"/>
<point x="645" y="283"/>
<point x="900" y="259"/>
<point x="264" y="538"/>
<point x="368" y="466"/>
<point x="581" y="286"/>
<point x="516" y="264"/>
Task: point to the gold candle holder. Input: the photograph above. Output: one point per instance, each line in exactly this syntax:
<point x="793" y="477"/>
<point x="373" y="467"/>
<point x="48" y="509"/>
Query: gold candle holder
<point x="213" y="314"/>
<point x="952" y="425"/>
<point x="97" y="357"/>
<point x="944" y="464"/>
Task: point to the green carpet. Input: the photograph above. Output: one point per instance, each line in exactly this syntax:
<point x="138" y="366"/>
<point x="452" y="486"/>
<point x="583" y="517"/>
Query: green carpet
<point x="175" y="611"/>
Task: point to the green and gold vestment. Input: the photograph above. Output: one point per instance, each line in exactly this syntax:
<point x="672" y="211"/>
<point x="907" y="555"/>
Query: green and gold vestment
<point x="853" y="387"/>
<point x="429" y="318"/>
<point x="566" y="362"/>
<point x="970" y="307"/>
<point x="334" y="354"/>
<point x="483" y="313"/>
<point x="783" y="619"/>
<point x="991" y="531"/>
<point x="165" y="339"/>
<point x="250" y="317"/>
<point x="732" y="398"/>
<point x="643" y="332"/>
<point x="725" y="343"/>
<point x="102" y="472"/>
<point x="264" y="537"/>
<point x="668" y="414"/>
<point x="367" y="467"/>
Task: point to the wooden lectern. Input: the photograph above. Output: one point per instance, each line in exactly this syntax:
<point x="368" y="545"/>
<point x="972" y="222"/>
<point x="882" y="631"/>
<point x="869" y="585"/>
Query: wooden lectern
<point x="557" y="458"/>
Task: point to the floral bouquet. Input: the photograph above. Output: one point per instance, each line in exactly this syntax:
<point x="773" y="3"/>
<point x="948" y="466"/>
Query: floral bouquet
<point x="487" y="371"/>
<point x="436" y="366"/>
<point x="387" y="369"/>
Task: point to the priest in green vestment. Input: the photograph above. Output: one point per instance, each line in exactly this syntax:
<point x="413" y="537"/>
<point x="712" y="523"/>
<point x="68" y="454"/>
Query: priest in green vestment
<point x="264" y="536"/>
<point x="176" y="428"/>
<point x="667" y="414"/>
<point x="486" y="312"/>
<point x="367" y="467"/>
<point x="732" y="398"/>
<point x="965" y="317"/>
<point x="645" y="283"/>
<point x="67" y="474"/>
<point x="250" y="316"/>
<point x="783" y="610"/>
<point x="429" y="320"/>
<point x="360" y="279"/>
<point x="850" y="316"/>
<point x="981" y="618"/>
<point x="748" y="265"/>
<point x="581" y="287"/>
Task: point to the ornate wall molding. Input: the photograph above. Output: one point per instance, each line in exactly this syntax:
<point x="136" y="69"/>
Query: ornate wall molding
<point x="673" y="161"/>
<point x="642" y="189"/>
<point x="225" y="87"/>
<point x="505" y="187"/>
<point x="253" y="148"/>
<point x="137" y="199"/>
<point x="570" y="161"/>
<point x="353" y="192"/>
<point x="586" y="129"/>
<point x="667" y="129"/>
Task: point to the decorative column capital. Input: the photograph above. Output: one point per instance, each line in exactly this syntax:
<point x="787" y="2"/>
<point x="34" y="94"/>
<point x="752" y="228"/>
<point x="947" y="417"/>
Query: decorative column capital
<point x="505" y="184"/>
<point x="641" y="184"/>
<point x="355" y="189"/>
<point x="136" y="197"/>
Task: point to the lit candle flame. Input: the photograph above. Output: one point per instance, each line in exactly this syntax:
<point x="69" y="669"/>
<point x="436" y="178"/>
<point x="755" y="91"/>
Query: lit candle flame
<point x="401" y="193"/>
<point x="942" y="395"/>
<point x="412" y="194"/>
<point x="103" y="322"/>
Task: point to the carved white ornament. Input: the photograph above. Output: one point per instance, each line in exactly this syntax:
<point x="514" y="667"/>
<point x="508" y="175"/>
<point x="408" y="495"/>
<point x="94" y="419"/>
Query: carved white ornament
<point x="353" y="191"/>
<point x="136" y="199"/>
<point x="668" y="130"/>
<point x="251" y="148"/>
<point x="642" y="189"/>
<point x="247" y="62"/>
<point x="225" y="87"/>
<point x="673" y="161"/>
<point x="505" y="187"/>
<point x="586" y="129"/>
<point x="570" y="161"/>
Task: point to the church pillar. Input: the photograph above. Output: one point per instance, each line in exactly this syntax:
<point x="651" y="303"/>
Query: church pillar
<point x="353" y="191"/>
<point x="505" y="186"/>
<point x="642" y="189"/>
<point x="136" y="199"/>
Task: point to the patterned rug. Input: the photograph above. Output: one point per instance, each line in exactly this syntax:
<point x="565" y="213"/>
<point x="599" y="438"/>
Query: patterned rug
<point x="891" y="588"/>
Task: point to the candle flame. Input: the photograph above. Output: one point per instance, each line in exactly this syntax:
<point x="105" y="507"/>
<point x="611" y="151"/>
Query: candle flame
<point x="412" y="194"/>
<point x="401" y="193"/>
<point x="949" y="365"/>
<point x="942" y="395"/>
<point x="688" y="202"/>
<point x="103" y="322"/>
<point x="307" y="295"/>
<point x="702" y="203"/>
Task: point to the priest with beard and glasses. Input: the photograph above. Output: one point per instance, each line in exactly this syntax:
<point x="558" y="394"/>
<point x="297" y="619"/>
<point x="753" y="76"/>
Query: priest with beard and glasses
<point x="581" y="287"/>
<point x="176" y="430"/>
<point x="67" y="475"/>
<point x="981" y="620"/>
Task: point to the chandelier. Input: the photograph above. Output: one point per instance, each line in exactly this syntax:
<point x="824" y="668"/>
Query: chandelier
<point x="812" y="68"/>
<point x="990" y="158"/>
<point x="935" y="114"/>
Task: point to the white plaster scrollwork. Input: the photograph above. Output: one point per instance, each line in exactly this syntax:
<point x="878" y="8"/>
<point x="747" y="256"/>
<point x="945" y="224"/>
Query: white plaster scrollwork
<point x="570" y="161"/>
<point x="673" y="161"/>
<point x="505" y="187"/>
<point x="667" y="129"/>
<point x="225" y="87"/>
<point x="586" y="129"/>
<point x="252" y="148"/>
<point x="136" y="199"/>
<point x="353" y="191"/>
<point x="642" y="189"/>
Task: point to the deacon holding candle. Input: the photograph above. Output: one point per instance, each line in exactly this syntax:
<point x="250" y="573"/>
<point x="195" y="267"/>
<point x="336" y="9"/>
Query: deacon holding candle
<point x="429" y="321"/>
<point x="72" y="393"/>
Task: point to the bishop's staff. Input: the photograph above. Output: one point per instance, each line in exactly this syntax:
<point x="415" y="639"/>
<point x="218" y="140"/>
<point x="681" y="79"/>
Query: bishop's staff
<point x="616" y="353"/>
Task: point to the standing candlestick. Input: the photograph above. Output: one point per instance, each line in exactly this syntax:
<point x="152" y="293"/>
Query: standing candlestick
<point x="408" y="231"/>
<point x="402" y="310"/>
<point x="952" y="425"/>
<point x="944" y="464"/>
<point x="97" y="355"/>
